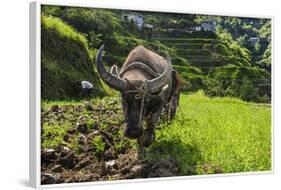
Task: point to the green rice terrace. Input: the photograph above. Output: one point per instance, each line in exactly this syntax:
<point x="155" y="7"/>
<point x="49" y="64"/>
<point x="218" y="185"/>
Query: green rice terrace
<point x="219" y="62"/>
<point x="222" y="125"/>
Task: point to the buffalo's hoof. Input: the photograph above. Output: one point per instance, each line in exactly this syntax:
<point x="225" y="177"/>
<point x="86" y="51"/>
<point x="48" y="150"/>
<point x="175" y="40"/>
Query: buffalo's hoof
<point x="141" y="154"/>
<point x="148" y="138"/>
<point x="141" y="150"/>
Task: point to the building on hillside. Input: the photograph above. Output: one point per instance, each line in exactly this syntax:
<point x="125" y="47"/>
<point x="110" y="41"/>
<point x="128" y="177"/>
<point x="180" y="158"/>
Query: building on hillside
<point x="205" y="26"/>
<point x="148" y="26"/>
<point x="197" y="28"/>
<point x="148" y="29"/>
<point x="208" y="26"/>
<point x="254" y="40"/>
<point x="138" y="19"/>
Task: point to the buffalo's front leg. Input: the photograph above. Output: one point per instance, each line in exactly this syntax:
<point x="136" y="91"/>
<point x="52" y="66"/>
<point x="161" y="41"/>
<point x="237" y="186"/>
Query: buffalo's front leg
<point x="141" y="149"/>
<point x="149" y="135"/>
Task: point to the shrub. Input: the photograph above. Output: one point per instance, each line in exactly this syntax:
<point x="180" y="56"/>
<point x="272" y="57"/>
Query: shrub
<point x="248" y="91"/>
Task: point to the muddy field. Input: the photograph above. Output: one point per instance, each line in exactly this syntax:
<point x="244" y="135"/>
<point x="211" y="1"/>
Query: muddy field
<point x="83" y="142"/>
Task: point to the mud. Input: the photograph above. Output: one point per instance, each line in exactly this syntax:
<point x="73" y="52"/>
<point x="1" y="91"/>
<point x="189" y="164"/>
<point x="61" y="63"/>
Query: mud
<point x="93" y="148"/>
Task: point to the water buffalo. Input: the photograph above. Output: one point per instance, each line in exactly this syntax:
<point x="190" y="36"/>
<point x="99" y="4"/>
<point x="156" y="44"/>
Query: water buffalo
<point x="148" y="85"/>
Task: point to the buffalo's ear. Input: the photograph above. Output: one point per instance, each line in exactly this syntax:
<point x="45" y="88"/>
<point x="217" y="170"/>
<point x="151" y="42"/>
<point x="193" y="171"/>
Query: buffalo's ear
<point x="177" y="82"/>
<point x="114" y="71"/>
<point x="168" y="58"/>
<point x="174" y="80"/>
<point x="160" y="92"/>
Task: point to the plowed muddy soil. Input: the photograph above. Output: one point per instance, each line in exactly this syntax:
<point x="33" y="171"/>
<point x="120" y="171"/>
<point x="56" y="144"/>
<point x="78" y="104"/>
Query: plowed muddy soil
<point x="84" y="142"/>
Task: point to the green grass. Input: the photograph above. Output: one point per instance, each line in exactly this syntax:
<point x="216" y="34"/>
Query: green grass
<point x="53" y="135"/>
<point x="98" y="144"/>
<point x="64" y="30"/>
<point x="216" y="135"/>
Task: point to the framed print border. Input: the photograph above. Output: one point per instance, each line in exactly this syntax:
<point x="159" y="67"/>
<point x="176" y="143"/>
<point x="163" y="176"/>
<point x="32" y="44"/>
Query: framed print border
<point x="35" y="93"/>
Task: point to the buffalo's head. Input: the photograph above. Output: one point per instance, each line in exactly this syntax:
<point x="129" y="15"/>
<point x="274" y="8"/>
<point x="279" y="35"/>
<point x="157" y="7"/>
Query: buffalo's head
<point x="136" y="93"/>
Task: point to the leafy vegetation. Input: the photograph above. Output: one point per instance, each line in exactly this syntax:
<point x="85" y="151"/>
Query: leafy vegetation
<point x="98" y="144"/>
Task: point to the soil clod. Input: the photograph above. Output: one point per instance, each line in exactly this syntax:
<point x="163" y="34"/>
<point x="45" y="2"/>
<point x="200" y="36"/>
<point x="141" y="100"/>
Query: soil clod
<point x="48" y="178"/>
<point x="54" y="108"/>
<point x="82" y="128"/>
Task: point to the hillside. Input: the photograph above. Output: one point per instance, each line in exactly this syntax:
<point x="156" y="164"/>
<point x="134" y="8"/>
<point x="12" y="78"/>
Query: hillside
<point x="209" y="63"/>
<point x="210" y="60"/>
<point x="65" y="60"/>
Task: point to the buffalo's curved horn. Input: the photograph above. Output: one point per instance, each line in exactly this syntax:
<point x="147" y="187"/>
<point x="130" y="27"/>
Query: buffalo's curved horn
<point x="110" y="79"/>
<point x="157" y="84"/>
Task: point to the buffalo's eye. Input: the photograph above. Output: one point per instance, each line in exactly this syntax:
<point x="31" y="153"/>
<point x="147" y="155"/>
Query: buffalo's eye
<point x="137" y="96"/>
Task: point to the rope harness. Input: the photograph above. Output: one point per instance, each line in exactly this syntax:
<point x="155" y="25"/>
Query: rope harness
<point x="143" y="92"/>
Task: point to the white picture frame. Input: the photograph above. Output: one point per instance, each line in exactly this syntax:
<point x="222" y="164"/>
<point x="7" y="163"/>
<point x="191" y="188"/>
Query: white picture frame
<point x="35" y="94"/>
